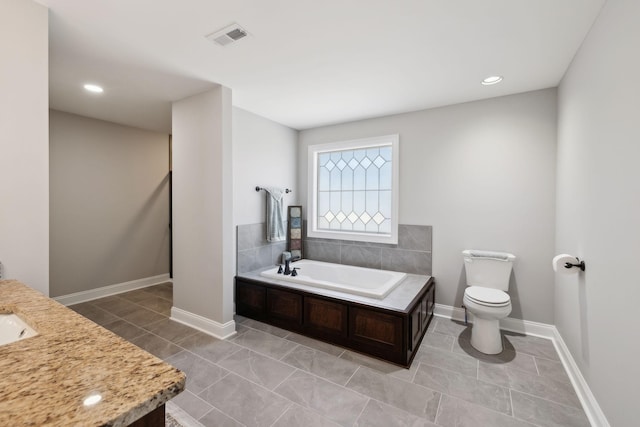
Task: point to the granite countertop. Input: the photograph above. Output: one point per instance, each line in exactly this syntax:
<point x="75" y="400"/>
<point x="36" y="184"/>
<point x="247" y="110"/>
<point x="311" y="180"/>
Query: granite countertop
<point x="45" y="379"/>
<point x="398" y="299"/>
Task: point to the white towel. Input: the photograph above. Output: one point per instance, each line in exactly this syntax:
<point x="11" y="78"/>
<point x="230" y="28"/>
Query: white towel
<point x="275" y="223"/>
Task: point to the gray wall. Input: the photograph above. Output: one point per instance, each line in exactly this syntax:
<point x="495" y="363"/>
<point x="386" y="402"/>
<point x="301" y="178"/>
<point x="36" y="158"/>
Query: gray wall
<point x="483" y="175"/>
<point x="598" y="209"/>
<point x="264" y="154"/>
<point x="24" y="143"/>
<point x="109" y="194"/>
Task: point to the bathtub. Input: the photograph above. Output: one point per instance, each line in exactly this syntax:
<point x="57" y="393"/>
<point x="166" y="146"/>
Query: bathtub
<point x="361" y="281"/>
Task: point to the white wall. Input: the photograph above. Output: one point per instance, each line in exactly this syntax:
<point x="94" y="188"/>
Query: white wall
<point x="598" y="209"/>
<point x="483" y="175"/>
<point x="203" y="234"/>
<point x="24" y="143"/>
<point x="264" y="154"/>
<point x="109" y="211"/>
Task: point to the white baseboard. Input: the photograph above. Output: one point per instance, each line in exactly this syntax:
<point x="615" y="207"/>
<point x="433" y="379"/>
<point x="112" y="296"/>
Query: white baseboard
<point x="542" y="330"/>
<point x="106" y="291"/>
<point x="525" y="327"/>
<point x="588" y="400"/>
<point x="208" y="326"/>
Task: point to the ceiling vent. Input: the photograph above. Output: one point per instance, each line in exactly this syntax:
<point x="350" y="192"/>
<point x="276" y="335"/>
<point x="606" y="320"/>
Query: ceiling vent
<point x="228" y="35"/>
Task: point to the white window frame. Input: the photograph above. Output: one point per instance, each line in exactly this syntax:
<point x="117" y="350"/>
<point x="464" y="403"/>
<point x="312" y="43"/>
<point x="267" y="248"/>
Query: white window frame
<point x="312" y="180"/>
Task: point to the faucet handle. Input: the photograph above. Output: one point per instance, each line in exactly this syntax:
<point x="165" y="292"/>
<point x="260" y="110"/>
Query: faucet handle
<point x="294" y="271"/>
<point x="287" y="271"/>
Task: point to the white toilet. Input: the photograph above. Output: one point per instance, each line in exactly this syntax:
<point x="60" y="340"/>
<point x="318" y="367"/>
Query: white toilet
<point x="486" y="296"/>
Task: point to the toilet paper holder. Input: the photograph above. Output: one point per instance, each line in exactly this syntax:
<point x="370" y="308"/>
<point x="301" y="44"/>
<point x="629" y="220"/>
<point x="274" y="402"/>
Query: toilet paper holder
<point x="579" y="265"/>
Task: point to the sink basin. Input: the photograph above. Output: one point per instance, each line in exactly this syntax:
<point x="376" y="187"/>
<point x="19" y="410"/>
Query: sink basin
<point x="13" y="328"/>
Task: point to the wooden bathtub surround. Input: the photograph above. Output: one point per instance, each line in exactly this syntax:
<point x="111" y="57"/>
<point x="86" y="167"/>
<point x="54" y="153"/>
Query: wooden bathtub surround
<point x="44" y="379"/>
<point x="389" y="333"/>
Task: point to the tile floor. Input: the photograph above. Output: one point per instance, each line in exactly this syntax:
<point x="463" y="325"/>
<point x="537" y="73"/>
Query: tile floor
<point x="265" y="376"/>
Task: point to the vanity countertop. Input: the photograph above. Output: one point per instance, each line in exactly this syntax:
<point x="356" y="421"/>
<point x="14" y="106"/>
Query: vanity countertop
<point x="45" y="379"/>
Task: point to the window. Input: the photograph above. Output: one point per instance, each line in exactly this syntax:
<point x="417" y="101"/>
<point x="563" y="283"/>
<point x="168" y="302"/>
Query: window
<point x="353" y="190"/>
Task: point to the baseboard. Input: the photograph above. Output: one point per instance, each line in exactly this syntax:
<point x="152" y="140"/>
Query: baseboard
<point x="208" y="326"/>
<point x="106" y="291"/>
<point x="520" y="326"/>
<point x="542" y="330"/>
<point x="588" y="400"/>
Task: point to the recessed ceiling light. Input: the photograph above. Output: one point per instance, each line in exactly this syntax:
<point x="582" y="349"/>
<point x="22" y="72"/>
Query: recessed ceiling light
<point x="93" y="88"/>
<point x="492" y="80"/>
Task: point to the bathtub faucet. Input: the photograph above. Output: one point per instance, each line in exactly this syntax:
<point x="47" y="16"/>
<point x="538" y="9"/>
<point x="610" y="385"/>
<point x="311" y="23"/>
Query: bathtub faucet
<point x="287" y="270"/>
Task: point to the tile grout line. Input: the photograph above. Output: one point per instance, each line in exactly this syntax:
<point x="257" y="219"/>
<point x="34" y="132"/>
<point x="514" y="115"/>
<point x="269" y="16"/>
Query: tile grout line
<point x="486" y="408"/>
<point x="285" y="379"/>
<point x="306" y="372"/>
<point x="536" y="365"/>
<point x="385" y="376"/>
<point x="220" y="409"/>
<point x="435" y="419"/>
<point x="289" y="352"/>
<point x="211" y="385"/>
<point x="373" y="399"/>
<point x="354" y="372"/>
<point x="233" y="340"/>
<point x="362" y="411"/>
<point x="296" y="343"/>
<point x="222" y="412"/>
<point x="513" y="410"/>
<point x="413" y="377"/>
<point x="213" y="408"/>
<point x="210" y="361"/>
<point x="141" y="327"/>
<point x="552" y="401"/>
<point x="199" y="398"/>
<point x="295" y="367"/>
<point x="282" y="414"/>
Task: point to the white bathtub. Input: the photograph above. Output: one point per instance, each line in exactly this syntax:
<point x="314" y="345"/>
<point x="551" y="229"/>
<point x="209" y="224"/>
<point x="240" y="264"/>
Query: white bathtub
<point x="366" y="282"/>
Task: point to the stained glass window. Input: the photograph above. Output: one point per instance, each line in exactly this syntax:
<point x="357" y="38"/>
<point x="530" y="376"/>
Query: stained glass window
<point x="354" y="191"/>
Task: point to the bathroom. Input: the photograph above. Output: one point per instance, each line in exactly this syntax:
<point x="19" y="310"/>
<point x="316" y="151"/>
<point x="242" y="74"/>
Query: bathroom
<point x="535" y="174"/>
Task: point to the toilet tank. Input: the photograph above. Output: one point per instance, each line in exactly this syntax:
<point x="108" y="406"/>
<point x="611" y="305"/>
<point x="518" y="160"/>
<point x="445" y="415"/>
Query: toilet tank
<point x="488" y="269"/>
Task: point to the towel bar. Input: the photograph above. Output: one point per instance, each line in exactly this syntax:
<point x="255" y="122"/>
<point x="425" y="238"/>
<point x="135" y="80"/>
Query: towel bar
<point x="286" y="190"/>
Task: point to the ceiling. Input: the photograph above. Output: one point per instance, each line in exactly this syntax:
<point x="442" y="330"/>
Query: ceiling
<point x="306" y="63"/>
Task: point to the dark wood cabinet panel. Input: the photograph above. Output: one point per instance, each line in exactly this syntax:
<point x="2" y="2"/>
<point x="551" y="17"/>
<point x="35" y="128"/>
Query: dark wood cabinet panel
<point x="284" y="305"/>
<point x="251" y="300"/>
<point x="416" y="325"/>
<point x="325" y="316"/>
<point x="430" y="302"/>
<point x="375" y="326"/>
<point x="377" y="332"/>
<point x="388" y="334"/>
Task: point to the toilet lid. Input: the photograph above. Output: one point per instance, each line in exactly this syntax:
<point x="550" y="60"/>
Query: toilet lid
<point x="487" y="296"/>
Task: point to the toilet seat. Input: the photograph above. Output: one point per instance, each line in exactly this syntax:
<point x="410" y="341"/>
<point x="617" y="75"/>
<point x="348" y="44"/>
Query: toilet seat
<point x="488" y="297"/>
